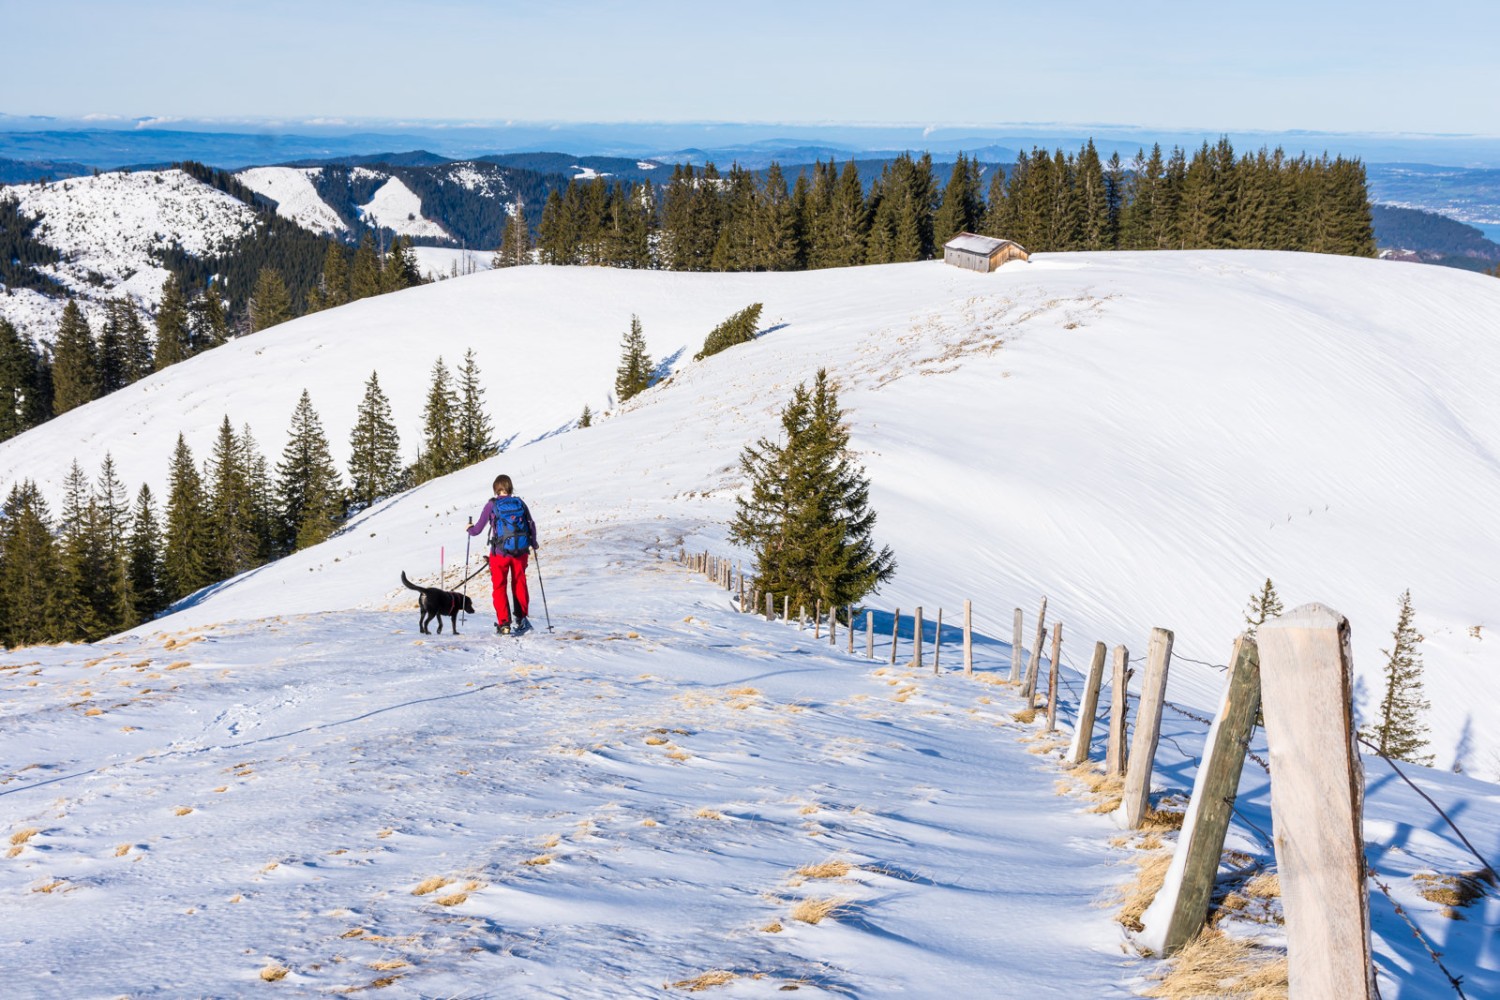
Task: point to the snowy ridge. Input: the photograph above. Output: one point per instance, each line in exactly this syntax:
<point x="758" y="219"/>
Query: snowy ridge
<point x="110" y="224"/>
<point x="396" y="207"/>
<point x="296" y="198"/>
<point x="625" y="803"/>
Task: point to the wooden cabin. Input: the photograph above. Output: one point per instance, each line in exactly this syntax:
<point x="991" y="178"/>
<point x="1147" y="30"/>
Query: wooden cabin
<point x="981" y="253"/>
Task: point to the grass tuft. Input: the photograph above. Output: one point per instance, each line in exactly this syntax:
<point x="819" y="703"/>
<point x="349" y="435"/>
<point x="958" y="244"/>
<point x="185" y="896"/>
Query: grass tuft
<point x="273" y="972"/>
<point x="23" y="835"/>
<point x="704" y="981"/>
<point x="388" y="964"/>
<point x="1216" y="965"/>
<point x="538" y="861"/>
<point x="431" y="885"/>
<point x="774" y="927"/>
<point x="1266" y="885"/>
<point x="122" y="850"/>
<point x="452" y="900"/>
<point x="707" y="813"/>
<point x="812" y="911"/>
<point x="1024" y="715"/>
<point x="1137" y="894"/>
<point x="1453" y="891"/>
<point x="828" y="869"/>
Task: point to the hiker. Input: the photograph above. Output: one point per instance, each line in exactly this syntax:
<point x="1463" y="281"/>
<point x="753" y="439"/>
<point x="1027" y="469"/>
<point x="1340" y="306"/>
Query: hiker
<point x="512" y="540"/>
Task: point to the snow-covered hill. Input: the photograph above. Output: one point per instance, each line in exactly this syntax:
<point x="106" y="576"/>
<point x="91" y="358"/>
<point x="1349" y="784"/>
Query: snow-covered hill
<point x="108" y="227"/>
<point x="396" y="207"/>
<point x="295" y="196"/>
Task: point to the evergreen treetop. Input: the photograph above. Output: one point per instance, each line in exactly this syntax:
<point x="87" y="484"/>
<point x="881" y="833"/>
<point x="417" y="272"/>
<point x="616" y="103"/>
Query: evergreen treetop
<point x="636" y="367"/>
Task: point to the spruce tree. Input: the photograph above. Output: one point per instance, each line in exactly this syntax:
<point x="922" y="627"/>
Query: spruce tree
<point x="18" y="374"/>
<point x="586" y="419"/>
<point x="262" y="496"/>
<point x="515" y="242"/>
<point x="79" y="536"/>
<point x="401" y="269"/>
<point x="114" y="597"/>
<point x="807" y="515"/>
<point x="208" y="327"/>
<point x="30" y="570"/>
<point x="1263" y="607"/>
<point x="364" y="277"/>
<point x="736" y="246"/>
<point x="307" y="482"/>
<point x="145" y="557"/>
<point x="636" y="366"/>
<point x="186" y="553"/>
<point x="476" y="434"/>
<point x="269" y="303"/>
<point x="135" y="343"/>
<point x="233" y="540"/>
<point x="110" y="370"/>
<point x="737" y="329"/>
<point x="173" y="335"/>
<point x="375" y="449"/>
<point x="75" y="377"/>
<point x="962" y="208"/>
<point x="439" y="452"/>
<point x="775" y="226"/>
<point x="1399" y="732"/>
<point x="333" y="286"/>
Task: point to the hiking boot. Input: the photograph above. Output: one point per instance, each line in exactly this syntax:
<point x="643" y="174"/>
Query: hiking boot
<point x="502" y="629"/>
<point x="524" y="625"/>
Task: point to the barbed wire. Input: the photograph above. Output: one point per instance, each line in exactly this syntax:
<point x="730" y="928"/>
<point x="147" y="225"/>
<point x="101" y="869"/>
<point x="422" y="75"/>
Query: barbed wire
<point x="1202" y="663"/>
<point x="1456" y="982"/>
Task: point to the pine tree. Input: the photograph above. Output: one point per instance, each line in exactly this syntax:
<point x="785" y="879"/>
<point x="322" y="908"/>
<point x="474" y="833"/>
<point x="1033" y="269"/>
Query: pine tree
<point x="75" y="362"/>
<point x="233" y="540"/>
<point x="515" y="242"/>
<point x="439" y="428"/>
<point x="265" y="523"/>
<point x="400" y="269"/>
<point x="209" y="326"/>
<point x="775" y="226"/>
<point x="375" y="449"/>
<point x="110" y="370"/>
<point x="333" y="286"/>
<point x="736" y="249"/>
<point x="1263" y="607"/>
<point x="636" y="367"/>
<point x="307" y="482"/>
<point x="737" y="329"/>
<point x="1399" y="732"/>
<point x="186" y="555"/>
<point x="850" y="227"/>
<point x="173" y="336"/>
<point x="807" y="515"/>
<point x="30" y="570"/>
<point x="269" y="304"/>
<point x="18" y="376"/>
<point x="962" y="209"/>
<point x="364" y="278"/>
<point x="114" y="596"/>
<point x="145" y="557"/>
<point x="79" y="536"/>
<point x="586" y="419"/>
<point x="476" y="434"/>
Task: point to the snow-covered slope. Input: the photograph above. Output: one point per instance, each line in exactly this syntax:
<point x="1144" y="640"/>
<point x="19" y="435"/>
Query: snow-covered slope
<point x="1142" y="437"/>
<point x="107" y="227"/>
<point x="397" y="207"/>
<point x="295" y="196"/>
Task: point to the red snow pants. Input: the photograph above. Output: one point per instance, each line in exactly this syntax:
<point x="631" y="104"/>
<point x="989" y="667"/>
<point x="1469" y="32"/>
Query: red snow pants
<point x="501" y="567"/>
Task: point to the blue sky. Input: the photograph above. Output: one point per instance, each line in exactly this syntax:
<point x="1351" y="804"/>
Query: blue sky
<point x="1271" y="65"/>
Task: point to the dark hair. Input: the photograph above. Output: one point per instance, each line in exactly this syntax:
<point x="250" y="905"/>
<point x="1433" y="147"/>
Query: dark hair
<point x="504" y="485"/>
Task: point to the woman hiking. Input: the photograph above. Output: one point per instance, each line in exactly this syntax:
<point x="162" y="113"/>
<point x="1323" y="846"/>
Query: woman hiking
<point x="512" y="540"/>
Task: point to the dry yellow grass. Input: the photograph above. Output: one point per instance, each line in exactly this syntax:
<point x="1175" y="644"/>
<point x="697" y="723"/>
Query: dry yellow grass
<point x="431" y="885"/>
<point x="835" y="868"/>
<point x="812" y="911"/>
<point x="222" y="788"/>
<point x="24" y="834"/>
<point x="382" y="834"/>
<point x="1266" y="885"/>
<point x="679" y="755"/>
<point x="706" y="980"/>
<point x="1225" y="968"/>
<point x="655" y="741"/>
<point x="1453" y="891"/>
<point x="48" y="888"/>
<point x="182" y="810"/>
<point x="745" y="692"/>
<point x="808" y="810"/>
<point x="1137" y="894"/>
<point x="1162" y="819"/>
<point x="122" y="850"/>
<point x="1024" y="715"/>
<point x="538" y="861"/>
<point x="706" y="813"/>
<point x="388" y="964"/>
<point x="550" y="841"/>
<point x="648" y="821"/>
<point x="353" y="932"/>
<point x="93" y="711"/>
<point x="273" y="972"/>
<point x="179" y="664"/>
<point x="452" y="900"/>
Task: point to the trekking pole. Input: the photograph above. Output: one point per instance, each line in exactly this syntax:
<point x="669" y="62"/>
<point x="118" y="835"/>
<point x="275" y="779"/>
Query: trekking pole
<point x="465" y="585"/>
<point x="543" y="584"/>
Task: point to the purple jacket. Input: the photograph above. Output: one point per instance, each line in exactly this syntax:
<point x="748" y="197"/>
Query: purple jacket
<point x="487" y="516"/>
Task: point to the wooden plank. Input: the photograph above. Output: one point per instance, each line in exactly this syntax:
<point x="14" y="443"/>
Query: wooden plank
<point x="1015" y="647"/>
<point x="937" y="642"/>
<point x="1028" y="687"/>
<point x="895" y="633"/>
<point x="870" y="634"/>
<point x="1115" y="754"/>
<point x="1083" y="732"/>
<point x="1052" y="677"/>
<point x="1136" y="798"/>
<point x="849" y="617"/>
<point x="968" y="637"/>
<point x="1181" y="905"/>
<point x="1317" y="802"/>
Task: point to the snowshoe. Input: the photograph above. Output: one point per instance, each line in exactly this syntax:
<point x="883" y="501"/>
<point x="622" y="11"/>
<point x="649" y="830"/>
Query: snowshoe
<point x="502" y="629"/>
<point x="521" y="627"/>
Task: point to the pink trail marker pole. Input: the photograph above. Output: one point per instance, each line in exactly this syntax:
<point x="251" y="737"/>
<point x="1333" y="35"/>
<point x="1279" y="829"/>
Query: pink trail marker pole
<point x="442" y="567"/>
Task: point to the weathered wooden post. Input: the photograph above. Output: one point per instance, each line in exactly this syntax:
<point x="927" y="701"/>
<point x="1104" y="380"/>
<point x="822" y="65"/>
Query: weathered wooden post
<point x="1015" y="647"/>
<point x="1137" y="795"/>
<point x="1181" y="905"/>
<point x="833" y="626"/>
<point x="1052" y="677"/>
<point x="818" y="618"/>
<point x="937" y="642"/>
<point x="895" y="633"/>
<point x="741" y="605"/>
<point x="786" y="607"/>
<point x="968" y="637"/>
<point x="802" y="618"/>
<point x="1028" y="686"/>
<point x="1317" y="803"/>
<point x="1083" y="731"/>
<point x="870" y="634"/>
<point x="1115" y="755"/>
<point x="770" y="608"/>
<point x="849" y="618"/>
<point x="916" y="631"/>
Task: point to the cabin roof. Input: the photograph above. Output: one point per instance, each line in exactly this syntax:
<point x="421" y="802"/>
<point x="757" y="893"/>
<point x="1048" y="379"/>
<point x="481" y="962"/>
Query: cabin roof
<point x="974" y="243"/>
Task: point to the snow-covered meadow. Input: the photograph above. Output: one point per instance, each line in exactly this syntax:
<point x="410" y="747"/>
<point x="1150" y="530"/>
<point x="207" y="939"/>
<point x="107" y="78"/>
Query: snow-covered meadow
<point x="1144" y="438"/>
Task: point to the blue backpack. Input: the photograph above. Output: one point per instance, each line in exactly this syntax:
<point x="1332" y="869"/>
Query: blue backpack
<point x="509" y="531"/>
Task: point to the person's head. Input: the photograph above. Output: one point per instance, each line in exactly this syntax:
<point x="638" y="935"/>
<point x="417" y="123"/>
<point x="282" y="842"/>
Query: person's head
<point x="503" y="486"/>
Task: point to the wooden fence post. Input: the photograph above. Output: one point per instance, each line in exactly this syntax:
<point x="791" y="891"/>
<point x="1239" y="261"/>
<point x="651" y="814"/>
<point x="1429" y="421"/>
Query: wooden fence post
<point x="1317" y="803"/>
<point x="870" y="634"/>
<point x="937" y="642"/>
<point x="1083" y="731"/>
<point x="741" y="605"/>
<point x="786" y="607"/>
<point x="916" y="631"/>
<point x="849" y="618"/>
<point x="1181" y="905"/>
<point x="895" y="633"/>
<point x="968" y="638"/>
<point x="1052" y="677"/>
<point x="1028" y="687"/>
<point x="833" y="627"/>
<point x="1115" y="755"/>
<point x="1137" y="795"/>
<point x="818" y="618"/>
<point x="802" y="618"/>
<point x="1015" y="647"/>
<point x="770" y="608"/>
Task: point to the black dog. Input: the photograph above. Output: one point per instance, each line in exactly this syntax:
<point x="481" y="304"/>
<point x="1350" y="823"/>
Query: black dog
<point x="435" y="603"/>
